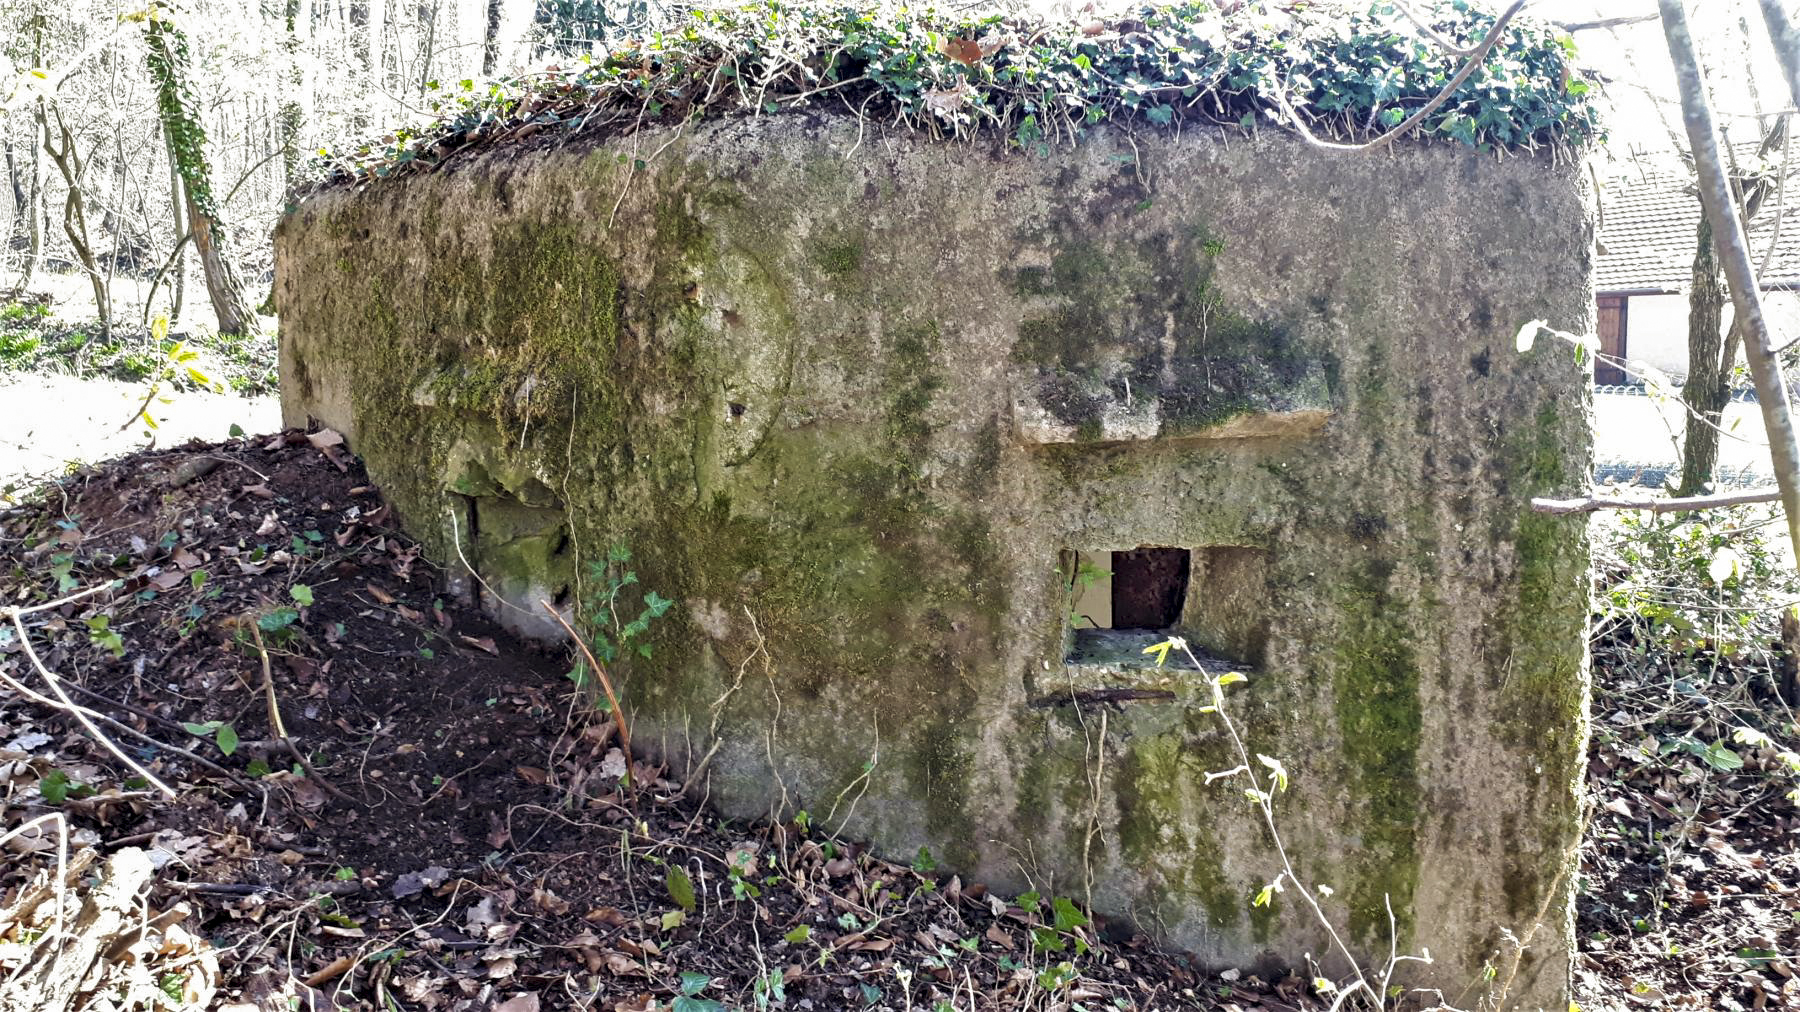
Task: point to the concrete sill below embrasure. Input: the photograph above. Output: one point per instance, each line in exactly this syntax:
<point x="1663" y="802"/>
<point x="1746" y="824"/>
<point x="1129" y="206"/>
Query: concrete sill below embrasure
<point x="1116" y="425"/>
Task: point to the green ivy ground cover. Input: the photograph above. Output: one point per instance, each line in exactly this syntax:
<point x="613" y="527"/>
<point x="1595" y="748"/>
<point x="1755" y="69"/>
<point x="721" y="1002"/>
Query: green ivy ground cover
<point x="1350" y="71"/>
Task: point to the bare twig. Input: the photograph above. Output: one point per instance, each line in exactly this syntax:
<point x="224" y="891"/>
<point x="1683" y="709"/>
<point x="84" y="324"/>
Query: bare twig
<point x="611" y="697"/>
<point x="1654" y="504"/>
<point x="32" y="85"/>
<point x="279" y="730"/>
<point x="155" y="388"/>
<point x="1619" y="22"/>
<point x="27" y="903"/>
<point x="456" y="542"/>
<point x="63" y="702"/>
<point x="1469" y="67"/>
<point x="1433" y="34"/>
<point x="697" y="775"/>
<point x="1266" y="807"/>
<point x="37" y="697"/>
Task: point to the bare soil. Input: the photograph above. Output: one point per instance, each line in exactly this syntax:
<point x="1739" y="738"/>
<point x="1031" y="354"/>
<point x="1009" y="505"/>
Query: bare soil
<point x="464" y="839"/>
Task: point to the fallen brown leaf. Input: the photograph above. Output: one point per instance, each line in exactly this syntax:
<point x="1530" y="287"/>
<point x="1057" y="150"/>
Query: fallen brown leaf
<point x="963" y="51"/>
<point x="485" y="643"/>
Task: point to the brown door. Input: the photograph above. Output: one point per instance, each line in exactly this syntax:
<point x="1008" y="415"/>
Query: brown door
<point x="1612" y="341"/>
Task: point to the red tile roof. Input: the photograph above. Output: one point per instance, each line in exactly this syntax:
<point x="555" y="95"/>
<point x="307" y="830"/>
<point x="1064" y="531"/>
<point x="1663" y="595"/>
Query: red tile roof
<point x="1648" y="234"/>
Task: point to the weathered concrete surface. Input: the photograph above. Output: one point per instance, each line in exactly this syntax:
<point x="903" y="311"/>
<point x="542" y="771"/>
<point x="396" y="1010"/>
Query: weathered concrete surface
<point x="875" y="393"/>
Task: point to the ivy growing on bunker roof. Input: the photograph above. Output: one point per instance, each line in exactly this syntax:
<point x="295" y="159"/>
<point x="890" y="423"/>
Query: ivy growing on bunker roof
<point x="1350" y="71"/>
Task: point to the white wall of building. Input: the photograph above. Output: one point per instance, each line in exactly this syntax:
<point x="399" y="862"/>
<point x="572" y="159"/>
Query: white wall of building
<point x="1656" y="328"/>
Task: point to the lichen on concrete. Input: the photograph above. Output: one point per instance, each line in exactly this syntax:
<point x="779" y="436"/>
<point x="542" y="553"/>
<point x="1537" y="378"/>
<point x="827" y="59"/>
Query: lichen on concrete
<point x="855" y="434"/>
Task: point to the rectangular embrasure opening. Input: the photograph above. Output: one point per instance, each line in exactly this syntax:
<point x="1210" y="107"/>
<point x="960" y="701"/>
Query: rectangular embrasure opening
<point x="1143" y="588"/>
<point x="1123" y="600"/>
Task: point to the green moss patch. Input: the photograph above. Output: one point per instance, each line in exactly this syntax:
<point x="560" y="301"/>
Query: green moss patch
<point x="1379" y="716"/>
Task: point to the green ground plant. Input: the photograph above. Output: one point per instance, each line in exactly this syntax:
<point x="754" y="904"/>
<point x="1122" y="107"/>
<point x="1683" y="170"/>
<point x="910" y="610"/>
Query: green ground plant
<point x="34" y="339"/>
<point x="604" y="618"/>
<point x="1704" y="608"/>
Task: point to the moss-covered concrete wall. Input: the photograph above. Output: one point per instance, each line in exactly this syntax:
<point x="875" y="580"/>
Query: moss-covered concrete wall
<point x="855" y="400"/>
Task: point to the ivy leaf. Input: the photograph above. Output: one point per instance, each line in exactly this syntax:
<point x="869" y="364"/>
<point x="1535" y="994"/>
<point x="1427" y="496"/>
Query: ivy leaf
<point x="54" y="786"/>
<point x="681" y="888"/>
<point x="1067" y="918"/>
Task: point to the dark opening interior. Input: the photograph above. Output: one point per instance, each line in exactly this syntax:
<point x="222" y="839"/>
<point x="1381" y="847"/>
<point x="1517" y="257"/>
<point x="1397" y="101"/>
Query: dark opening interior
<point x="1149" y="586"/>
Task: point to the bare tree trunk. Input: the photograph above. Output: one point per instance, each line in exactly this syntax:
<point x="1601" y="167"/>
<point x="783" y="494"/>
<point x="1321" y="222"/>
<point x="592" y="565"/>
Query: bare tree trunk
<point x="509" y="21"/>
<point x="1708" y="386"/>
<point x="177" y="259"/>
<point x="1734" y="251"/>
<point x="115" y="215"/>
<point x="34" y="250"/>
<point x="1712" y="355"/>
<point x="169" y="68"/>
<point x="1787" y="43"/>
<point x="24" y="203"/>
<point x="490" y="50"/>
<point x="429" y="15"/>
<point x="68" y="162"/>
<point x="35" y="199"/>
<point x="293" y="115"/>
<point x="15" y="179"/>
<point x="375" y="32"/>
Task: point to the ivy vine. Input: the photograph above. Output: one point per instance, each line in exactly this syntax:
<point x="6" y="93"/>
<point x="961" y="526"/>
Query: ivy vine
<point x="171" y="69"/>
<point x="1350" y="73"/>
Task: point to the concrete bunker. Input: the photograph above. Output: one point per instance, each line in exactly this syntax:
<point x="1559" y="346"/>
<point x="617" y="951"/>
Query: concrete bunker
<point x="873" y="415"/>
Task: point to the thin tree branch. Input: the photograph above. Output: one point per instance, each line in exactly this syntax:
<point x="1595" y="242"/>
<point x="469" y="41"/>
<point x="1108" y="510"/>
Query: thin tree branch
<point x="1468" y="69"/>
<point x="279" y="729"/>
<point x="1581" y="26"/>
<point x="611" y="697"/>
<point x="1787" y="43"/>
<point x="1787" y="50"/>
<point x="1654" y="504"/>
<point x="1433" y="34"/>
<point x="1734" y="250"/>
<point x="62" y="702"/>
<point x="37" y="81"/>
